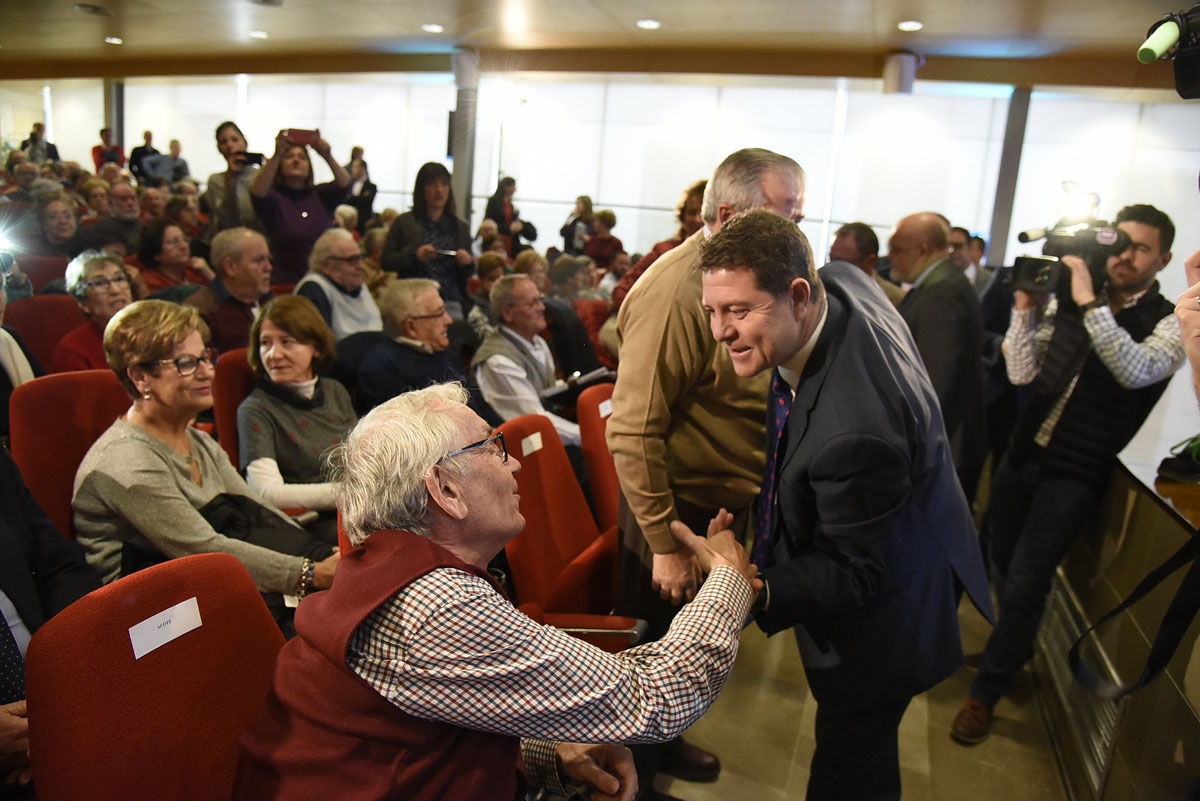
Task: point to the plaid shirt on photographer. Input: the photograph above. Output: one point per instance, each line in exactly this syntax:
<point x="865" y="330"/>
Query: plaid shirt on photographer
<point x="1132" y="364"/>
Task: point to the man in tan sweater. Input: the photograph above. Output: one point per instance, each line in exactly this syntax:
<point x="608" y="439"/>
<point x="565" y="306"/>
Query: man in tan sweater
<point x="687" y="435"/>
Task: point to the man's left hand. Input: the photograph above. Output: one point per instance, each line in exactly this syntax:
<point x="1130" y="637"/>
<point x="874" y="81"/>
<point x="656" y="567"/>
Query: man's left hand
<point x="1082" y="289"/>
<point x="608" y="768"/>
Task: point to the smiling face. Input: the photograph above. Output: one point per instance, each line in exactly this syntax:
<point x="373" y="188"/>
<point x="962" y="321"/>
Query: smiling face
<point x="759" y="330"/>
<point x="107" y="292"/>
<point x="526" y="315"/>
<point x="58" y="221"/>
<point x="176" y="396"/>
<point x="286" y="359"/>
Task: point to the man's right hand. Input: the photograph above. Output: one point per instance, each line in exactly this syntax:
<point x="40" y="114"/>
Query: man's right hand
<point x="1023" y="300"/>
<point x="719" y="548"/>
<point x="14" y="740"/>
<point x="676" y="575"/>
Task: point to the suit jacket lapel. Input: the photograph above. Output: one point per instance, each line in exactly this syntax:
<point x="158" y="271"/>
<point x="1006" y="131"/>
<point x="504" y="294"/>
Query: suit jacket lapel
<point x="813" y="378"/>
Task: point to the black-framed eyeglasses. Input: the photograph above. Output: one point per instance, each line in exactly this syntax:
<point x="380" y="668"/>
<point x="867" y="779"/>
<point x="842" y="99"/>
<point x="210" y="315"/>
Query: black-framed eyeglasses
<point x="102" y="283"/>
<point x="355" y="259"/>
<point x="483" y="443"/>
<point x="439" y="314"/>
<point x="187" y="365"/>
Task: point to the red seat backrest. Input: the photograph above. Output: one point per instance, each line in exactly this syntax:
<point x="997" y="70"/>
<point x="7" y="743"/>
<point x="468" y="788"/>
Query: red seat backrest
<point x="43" y="320"/>
<point x="44" y="269"/>
<point x="593" y="409"/>
<point x="234" y="380"/>
<point x="53" y="421"/>
<point x="558" y="525"/>
<point x="104" y="723"/>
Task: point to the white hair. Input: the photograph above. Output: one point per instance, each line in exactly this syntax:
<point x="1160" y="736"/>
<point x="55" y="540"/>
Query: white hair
<point x="324" y="246"/>
<point x="399" y="302"/>
<point x="737" y="181"/>
<point x="379" y="470"/>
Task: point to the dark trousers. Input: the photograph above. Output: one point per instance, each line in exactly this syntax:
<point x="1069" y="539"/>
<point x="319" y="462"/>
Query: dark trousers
<point x="636" y="596"/>
<point x="1032" y="521"/>
<point x="857" y="756"/>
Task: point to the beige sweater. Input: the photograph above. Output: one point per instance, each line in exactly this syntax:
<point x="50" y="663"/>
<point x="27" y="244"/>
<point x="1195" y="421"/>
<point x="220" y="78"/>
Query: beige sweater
<point x="683" y="423"/>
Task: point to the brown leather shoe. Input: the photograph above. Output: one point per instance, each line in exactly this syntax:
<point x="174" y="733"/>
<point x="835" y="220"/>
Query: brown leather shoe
<point x="689" y="762"/>
<point x="972" y="723"/>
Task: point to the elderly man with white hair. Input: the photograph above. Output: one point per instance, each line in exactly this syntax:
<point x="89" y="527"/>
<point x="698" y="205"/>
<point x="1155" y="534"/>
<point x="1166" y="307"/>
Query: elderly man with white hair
<point x="335" y="285"/>
<point x="414" y="677"/>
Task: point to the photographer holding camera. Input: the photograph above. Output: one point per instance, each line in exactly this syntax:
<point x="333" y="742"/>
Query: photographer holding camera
<point x="1098" y="361"/>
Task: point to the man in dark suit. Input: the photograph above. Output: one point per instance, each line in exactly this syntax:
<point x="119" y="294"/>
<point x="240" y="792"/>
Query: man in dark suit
<point x="41" y="573"/>
<point x="942" y="311"/>
<point x="872" y="539"/>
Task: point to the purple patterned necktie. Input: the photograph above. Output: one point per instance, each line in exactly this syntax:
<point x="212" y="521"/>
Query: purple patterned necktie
<point x="12" y="666"/>
<point x="778" y="403"/>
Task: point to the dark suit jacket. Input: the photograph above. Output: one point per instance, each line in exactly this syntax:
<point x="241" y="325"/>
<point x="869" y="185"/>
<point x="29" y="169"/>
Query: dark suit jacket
<point x="873" y="537"/>
<point x="943" y="315"/>
<point x="41" y="571"/>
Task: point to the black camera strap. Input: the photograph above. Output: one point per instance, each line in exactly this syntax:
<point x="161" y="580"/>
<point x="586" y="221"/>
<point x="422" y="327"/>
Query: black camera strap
<point x="1171" y="630"/>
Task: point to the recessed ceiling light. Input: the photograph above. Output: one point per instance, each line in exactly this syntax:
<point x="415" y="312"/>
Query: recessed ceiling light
<point x="649" y="24"/>
<point x="432" y="27"/>
<point x="911" y="25"/>
<point x="257" y="34"/>
<point x="114" y="40"/>
<point x="93" y="9"/>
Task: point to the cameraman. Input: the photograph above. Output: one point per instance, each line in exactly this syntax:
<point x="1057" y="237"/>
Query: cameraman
<point x="1098" y="362"/>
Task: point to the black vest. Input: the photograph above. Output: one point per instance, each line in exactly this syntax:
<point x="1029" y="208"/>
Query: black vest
<point x="1101" y="416"/>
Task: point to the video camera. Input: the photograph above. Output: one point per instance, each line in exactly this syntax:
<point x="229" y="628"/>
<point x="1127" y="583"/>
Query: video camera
<point x="1092" y="240"/>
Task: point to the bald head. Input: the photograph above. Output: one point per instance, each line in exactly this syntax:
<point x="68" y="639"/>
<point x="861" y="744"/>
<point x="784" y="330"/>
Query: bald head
<point x="917" y="241"/>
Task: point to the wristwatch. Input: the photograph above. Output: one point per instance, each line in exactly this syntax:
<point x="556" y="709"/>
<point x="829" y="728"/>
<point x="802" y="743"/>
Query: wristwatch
<point x="1095" y="304"/>
<point x="763" y="600"/>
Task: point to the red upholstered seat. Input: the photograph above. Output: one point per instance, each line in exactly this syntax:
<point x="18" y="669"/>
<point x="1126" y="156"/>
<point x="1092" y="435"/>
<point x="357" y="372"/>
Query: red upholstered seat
<point x="44" y="269"/>
<point x="53" y="421"/>
<point x="560" y="561"/>
<point x="279" y="290"/>
<point x="43" y="320"/>
<point x="592" y="410"/>
<point x="104" y="724"/>
<point x="233" y="381"/>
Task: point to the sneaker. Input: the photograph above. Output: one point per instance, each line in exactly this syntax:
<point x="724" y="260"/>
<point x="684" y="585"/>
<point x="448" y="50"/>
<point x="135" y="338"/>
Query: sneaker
<point x="1184" y="463"/>
<point x="972" y="723"/>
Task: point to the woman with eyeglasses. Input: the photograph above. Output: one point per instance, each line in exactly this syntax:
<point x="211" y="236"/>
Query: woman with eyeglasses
<point x="295" y="415"/>
<point x="101" y="287"/>
<point x="167" y="259"/>
<point x="149" y="486"/>
<point x="335" y="284"/>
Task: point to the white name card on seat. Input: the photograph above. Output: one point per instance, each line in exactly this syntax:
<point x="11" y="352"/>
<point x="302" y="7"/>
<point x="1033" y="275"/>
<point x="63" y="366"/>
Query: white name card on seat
<point x="605" y="408"/>
<point x="157" y="631"/>
<point x="532" y="443"/>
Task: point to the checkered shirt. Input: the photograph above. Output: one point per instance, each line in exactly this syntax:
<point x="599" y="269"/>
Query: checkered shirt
<point x="449" y="648"/>
<point x="1132" y="364"/>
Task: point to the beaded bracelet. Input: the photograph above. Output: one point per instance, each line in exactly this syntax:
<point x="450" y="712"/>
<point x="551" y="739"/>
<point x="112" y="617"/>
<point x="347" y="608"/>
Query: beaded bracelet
<point x="304" y="584"/>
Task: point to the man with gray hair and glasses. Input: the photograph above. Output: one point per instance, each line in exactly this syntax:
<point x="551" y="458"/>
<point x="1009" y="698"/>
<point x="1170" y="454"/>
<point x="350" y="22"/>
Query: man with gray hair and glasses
<point x="687" y="435"/>
<point x="414" y="677"/>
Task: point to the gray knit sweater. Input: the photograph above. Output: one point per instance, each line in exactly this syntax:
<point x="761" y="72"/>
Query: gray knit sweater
<point x="133" y="487"/>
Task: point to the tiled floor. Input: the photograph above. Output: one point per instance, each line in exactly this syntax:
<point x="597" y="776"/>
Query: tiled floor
<point x="762" y="728"/>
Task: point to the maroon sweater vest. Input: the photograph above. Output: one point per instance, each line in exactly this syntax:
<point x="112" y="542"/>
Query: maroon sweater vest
<point x="325" y="733"/>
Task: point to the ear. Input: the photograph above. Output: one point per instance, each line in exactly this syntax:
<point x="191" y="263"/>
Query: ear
<point x="445" y="493"/>
<point x="870" y="261"/>
<point x="800" y="293"/>
<point x="137" y="375"/>
<point x="1166" y="259"/>
<point x="409" y="328"/>
<point x="725" y="213"/>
